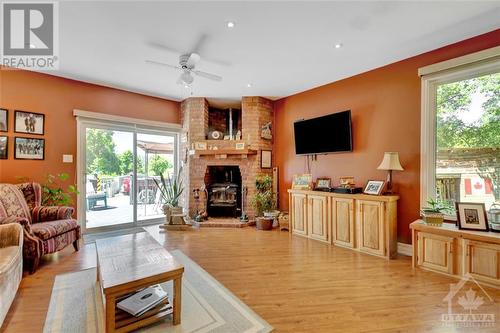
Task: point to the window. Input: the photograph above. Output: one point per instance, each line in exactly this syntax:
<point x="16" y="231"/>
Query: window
<point x="461" y="135"/>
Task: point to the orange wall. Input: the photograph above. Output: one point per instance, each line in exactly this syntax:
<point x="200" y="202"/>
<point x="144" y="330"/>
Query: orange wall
<point x="385" y="105"/>
<point x="56" y="98"/>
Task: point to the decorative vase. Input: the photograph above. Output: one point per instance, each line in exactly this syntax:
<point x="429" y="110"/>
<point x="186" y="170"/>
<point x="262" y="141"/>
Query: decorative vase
<point x="264" y="223"/>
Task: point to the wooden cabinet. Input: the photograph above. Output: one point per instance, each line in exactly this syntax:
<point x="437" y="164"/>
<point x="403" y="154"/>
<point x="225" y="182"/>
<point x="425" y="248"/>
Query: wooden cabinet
<point x="370" y="218"/>
<point x="317" y="217"/>
<point x="482" y="261"/>
<point x="447" y="249"/>
<point x="298" y="213"/>
<point x="435" y="252"/>
<point x="342" y="212"/>
<point x="362" y="222"/>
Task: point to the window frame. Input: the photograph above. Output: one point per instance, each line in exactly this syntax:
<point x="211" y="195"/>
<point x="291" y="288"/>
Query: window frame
<point x="434" y="76"/>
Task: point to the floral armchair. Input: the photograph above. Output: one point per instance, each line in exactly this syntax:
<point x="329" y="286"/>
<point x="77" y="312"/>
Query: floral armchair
<point x="47" y="229"/>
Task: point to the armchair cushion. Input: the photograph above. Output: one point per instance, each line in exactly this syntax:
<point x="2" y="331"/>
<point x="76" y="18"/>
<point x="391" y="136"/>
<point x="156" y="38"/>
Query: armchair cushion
<point x="12" y="200"/>
<point x="47" y="230"/>
<point x="50" y="213"/>
<point x="32" y="193"/>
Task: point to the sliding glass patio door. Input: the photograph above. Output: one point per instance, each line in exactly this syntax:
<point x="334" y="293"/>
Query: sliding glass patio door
<point x="119" y="167"/>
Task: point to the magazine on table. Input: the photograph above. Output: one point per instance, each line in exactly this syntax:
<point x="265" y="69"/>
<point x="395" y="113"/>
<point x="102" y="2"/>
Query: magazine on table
<point x="144" y="300"/>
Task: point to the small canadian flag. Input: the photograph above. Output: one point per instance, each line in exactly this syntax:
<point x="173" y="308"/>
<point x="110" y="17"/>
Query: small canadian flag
<point x="478" y="186"/>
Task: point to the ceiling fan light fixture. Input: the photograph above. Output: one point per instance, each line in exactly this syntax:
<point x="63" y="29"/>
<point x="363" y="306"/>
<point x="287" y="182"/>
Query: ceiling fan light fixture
<point x="187" y="78"/>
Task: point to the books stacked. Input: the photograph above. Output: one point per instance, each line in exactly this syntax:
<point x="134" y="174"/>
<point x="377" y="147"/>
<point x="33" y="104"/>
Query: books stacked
<point x="145" y="300"/>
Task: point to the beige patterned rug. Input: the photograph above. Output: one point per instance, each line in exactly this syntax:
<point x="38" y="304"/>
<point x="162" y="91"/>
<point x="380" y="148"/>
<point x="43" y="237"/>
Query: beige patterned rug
<point x="207" y="306"/>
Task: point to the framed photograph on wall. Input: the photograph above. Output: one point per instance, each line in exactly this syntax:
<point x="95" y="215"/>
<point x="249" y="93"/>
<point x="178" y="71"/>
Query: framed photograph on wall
<point x="29" y="148"/>
<point x="266" y="159"/>
<point x="374" y="187"/>
<point x="4" y="120"/>
<point x="4" y="147"/>
<point x="240" y="145"/>
<point x="302" y="182"/>
<point x="29" y="122"/>
<point x="471" y="216"/>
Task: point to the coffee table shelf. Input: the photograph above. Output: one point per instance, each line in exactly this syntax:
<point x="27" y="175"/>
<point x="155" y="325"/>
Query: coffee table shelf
<point x="129" y="263"/>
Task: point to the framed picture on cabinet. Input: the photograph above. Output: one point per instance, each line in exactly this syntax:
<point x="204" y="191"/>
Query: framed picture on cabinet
<point x="302" y="182"/>
<point x="200" y="145"/>
<point x="29" y="122"/>
<point x="374" y="187"/>
<point x="4" y="147"/>
<point x="29" y="148"/>
<point x="472" y="216"/>
<point x="4" y="120"/>
<point x="323" y="183"/>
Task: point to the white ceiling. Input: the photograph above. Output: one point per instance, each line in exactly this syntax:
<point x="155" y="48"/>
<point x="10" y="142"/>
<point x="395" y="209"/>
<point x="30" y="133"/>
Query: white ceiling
<point x="281" y="48"/>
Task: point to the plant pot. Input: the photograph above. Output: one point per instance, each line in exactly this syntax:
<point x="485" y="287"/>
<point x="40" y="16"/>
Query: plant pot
<point x="433" y="218"/>
<point x="264" y="223"/>
<point x="169" y="211"/>
<point x="274" y="214"/>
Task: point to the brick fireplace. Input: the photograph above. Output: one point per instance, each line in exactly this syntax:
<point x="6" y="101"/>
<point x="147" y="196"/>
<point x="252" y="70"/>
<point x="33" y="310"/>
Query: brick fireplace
<point x="199" y="164"/>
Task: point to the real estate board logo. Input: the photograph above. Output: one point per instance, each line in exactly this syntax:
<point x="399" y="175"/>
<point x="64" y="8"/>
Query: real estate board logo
<point x="466" y="299"/>
<point x="30" y="35"/>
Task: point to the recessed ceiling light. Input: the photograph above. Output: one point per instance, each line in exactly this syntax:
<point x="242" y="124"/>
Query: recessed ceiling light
<point x="249" y="85"/>
<point x="230" y="24"/>
<point x="338" y="45"/>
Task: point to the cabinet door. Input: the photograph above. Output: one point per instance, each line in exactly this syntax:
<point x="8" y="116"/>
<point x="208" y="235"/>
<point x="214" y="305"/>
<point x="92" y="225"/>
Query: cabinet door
<point x="317" y="217"/>
<point x="435" y="252"/>
<point x="370" y="219"/>
<point x="299" y="213"/>
<point x="343" y="222"/>
<point x="482" y="261"/>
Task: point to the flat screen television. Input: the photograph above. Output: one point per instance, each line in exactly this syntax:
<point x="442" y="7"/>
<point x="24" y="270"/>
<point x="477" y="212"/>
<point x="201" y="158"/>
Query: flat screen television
<point x="327" y="134"/>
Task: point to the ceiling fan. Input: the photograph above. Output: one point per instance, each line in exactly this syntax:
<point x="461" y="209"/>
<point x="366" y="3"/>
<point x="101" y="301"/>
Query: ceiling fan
<point x="187" y="64"/>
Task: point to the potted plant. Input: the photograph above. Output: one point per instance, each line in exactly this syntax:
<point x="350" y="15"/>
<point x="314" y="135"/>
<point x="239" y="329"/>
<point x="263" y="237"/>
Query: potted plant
<point x="434" y="213"/>
<point x="171" y="189"/>
<point x="264" y="203"/>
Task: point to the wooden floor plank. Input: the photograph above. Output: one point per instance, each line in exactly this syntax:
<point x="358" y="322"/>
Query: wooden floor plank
<point x="296" y="284"/>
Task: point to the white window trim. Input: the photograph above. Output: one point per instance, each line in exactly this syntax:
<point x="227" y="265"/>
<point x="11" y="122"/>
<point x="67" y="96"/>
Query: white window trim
<point x="479" y="63"/>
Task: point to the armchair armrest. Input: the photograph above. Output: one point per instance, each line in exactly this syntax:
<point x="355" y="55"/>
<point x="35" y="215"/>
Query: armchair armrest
<point x="11" y="234"/>
<point x="50" y="213"/>
<point x="19" y="220"/>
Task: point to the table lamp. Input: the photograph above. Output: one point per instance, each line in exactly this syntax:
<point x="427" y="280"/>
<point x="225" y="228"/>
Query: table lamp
<point x="390" y="163"/>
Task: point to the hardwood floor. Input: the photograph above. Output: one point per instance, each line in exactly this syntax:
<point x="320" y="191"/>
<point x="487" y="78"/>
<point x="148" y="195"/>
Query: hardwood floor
<point x="297" y="285"/>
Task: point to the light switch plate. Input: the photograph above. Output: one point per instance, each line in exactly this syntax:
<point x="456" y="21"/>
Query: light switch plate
<point x="67" y="158"/>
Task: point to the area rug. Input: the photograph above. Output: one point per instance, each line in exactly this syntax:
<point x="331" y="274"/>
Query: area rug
<point x="207" y="306"/>
<point x="91" y="238"/>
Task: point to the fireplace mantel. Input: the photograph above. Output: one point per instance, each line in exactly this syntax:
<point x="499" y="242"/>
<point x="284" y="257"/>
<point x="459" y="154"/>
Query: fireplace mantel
<point x="227" y="152"/>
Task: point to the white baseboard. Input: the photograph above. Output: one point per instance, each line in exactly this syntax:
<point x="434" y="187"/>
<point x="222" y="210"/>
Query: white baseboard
<point x="405" y="249"/>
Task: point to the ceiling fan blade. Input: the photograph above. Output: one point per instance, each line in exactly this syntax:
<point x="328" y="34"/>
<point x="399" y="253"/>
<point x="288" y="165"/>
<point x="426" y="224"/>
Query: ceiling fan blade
<point x="197" y="48"/>
<point x="208" y="75"/>
<point x="164" y="47"/>
<point x="162" y="64"/>
<point x="193" y="59"/>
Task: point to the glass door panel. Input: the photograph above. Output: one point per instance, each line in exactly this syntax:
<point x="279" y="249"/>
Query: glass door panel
<point x="155" y="157"/>
<point x="109" y="166"/>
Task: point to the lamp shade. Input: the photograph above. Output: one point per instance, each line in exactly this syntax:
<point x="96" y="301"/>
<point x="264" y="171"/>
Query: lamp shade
<point x="390" y="162"/>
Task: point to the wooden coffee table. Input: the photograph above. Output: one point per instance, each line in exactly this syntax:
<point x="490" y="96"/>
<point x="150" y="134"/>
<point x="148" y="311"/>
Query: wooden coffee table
<point x="128" y="263"/>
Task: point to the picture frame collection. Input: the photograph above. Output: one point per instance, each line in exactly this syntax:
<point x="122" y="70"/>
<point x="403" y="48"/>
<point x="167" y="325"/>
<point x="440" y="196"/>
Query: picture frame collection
<point x="25" y="123"/>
